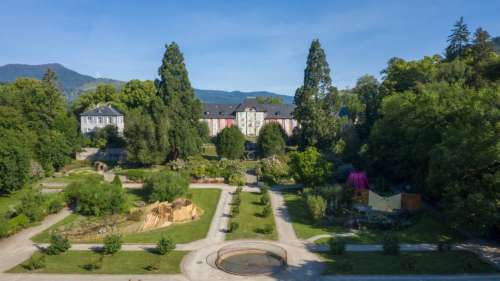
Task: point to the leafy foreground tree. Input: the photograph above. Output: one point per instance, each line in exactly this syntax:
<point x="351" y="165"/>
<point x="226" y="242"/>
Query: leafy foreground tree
<point x="230" y="143"/>
<point x="94" y="198"/>
<point x="183" y="108"/>
<point x="14" y="162"/>
<point x="310" y="167"/>
<point x="271" y="140"/>
<point x="50" y="133"/>
<point x="316" y="102"/>
<point x="166" y="186"/>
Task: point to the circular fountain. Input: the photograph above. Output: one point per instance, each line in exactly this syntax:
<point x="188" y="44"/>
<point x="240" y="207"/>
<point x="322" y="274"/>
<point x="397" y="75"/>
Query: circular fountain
<point x="251" y="258"/>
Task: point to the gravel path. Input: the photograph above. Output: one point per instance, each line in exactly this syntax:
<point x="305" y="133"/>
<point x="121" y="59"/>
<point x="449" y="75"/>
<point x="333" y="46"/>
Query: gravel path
<point x="286" y="233"/>
<point x="19" y="247"/>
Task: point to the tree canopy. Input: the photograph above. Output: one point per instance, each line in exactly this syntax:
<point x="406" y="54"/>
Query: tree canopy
<point x="271" y="140"/>
<point x="230" y="143"/>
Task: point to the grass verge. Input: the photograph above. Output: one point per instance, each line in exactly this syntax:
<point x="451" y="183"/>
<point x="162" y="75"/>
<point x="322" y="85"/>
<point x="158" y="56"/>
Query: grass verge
<point x="124" y="262"/>
<point x="452" y="262"/>
<point x="424" y="229"/>
<point x="250" y="220"/>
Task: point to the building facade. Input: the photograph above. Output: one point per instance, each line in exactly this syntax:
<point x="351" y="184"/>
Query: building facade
<point x="101" y="117"/>
<point x="249" y="116"/>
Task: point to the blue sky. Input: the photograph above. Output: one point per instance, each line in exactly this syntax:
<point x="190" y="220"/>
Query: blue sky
<point x="232" y="45"/>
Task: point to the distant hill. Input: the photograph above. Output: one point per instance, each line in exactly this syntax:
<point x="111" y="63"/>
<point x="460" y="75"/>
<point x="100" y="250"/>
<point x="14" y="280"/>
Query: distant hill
<point x="496" y="41"/>
<point x="217" y="96"/>
<point x="73" y="83"/>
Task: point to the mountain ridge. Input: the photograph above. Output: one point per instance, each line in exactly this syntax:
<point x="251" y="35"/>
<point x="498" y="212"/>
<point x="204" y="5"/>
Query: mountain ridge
<point x="74" y="83"/>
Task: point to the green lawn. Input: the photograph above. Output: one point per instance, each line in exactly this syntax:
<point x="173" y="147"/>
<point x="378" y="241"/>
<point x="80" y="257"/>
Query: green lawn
<point x="302" y="223"/>
<point x="124" y="262"/>
<point x="425" y="229"/>
<point x="250" y="219"/>
<point x="453" y="262"/>
<point x="77" y="176"/>
<point x="206" y="199"/>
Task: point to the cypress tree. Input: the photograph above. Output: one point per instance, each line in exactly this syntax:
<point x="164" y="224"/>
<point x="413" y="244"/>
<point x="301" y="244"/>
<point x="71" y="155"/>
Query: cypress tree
<point x="458" y="39"/>
<point x="183" y="108"/>
<point x="316" y="101"/>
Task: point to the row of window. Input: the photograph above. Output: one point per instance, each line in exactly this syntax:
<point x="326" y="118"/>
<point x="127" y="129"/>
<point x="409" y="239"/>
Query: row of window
<point x="103" y="119"/>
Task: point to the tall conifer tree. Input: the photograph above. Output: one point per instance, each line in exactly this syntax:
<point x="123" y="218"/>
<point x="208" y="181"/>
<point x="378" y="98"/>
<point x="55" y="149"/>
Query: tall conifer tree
<point x="458" y="39"/>
<point x="183" y="108"/>
<point x="316" y="102"/>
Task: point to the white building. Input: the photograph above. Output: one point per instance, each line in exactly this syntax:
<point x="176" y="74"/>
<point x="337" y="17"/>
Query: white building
<point x="101" y="117"/>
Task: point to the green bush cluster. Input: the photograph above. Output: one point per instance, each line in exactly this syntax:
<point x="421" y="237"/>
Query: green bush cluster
<point x="58" y="244"/>
<point x="273" y="170"/>
<point x="93" y="198"/>
<point x="112" y="244"/>
<point x="35" y="262"/>
<point x="166" y="185"/>
<point x="316" y="206"/>
<point x="165" y="246"/>
<point x="232" y="171"/>
<point x="33" y="207"/>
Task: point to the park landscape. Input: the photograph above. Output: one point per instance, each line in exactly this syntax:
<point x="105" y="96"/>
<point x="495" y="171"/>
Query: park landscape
<point x="327" y="201"/>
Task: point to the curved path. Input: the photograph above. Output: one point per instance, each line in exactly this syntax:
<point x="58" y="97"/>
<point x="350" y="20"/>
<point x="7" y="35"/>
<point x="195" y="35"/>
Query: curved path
<point x="304" y="265"/>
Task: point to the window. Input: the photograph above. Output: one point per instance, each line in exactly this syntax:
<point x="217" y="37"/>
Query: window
<point x="100" y="119"/>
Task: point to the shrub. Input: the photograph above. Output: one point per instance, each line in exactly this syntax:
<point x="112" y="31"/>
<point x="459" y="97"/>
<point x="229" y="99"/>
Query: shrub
<point x="18" y="222"/>
<point x="165" y="246"/>
<point x="230" y="143"/>
<point x="266" y="211"/>
<point x="267" y="229"/>
<point x="58" y="244"/>
<point x="112" y="244"/>
<point x="237" y="199"/>
<point x="154" y="266"/>
<point x="166" y="186"/>
<point x="264" y="189"/>
<point x="94" y="198"/>
<point x="35" y="262"/>
<point x="337" y="246"/>
<point x="271" y="140"/>
<point x="310" y="167"/>
<point x="264" y="199"/>
<point x="32" y="205"/>
<point x="390" y="245"/>
<point x="238" y="190"/>
<point x="55" y="205"/>
<point x="316" y="206"/>
<point x="233" y="226"/>
<point x="409" y="263"/>
<point x="4" y="227"/>
<point x="94" y="264"/>
<point x="236" y="179"/>
<point x="235" y="211"/>
<point x="272" y="170"/>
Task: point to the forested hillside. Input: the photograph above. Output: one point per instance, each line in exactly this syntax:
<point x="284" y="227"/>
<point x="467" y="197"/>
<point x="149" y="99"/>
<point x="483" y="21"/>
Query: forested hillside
<point x="73" y="84"/>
